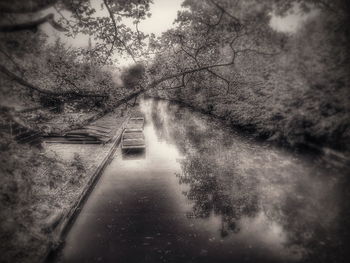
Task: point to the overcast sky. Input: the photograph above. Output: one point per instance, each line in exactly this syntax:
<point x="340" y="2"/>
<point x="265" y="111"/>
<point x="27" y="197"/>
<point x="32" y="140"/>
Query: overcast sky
<point x="164" y="13"/>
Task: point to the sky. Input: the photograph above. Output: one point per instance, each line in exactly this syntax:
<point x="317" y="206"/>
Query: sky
<point x="290" y="23"/>
<point x="164" y="13"/>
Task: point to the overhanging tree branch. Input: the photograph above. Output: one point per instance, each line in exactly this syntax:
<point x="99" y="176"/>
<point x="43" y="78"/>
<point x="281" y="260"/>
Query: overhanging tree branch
<point x="32" y="87"/>
<point x="25" y="6"/>
<point x="32" y="25"/>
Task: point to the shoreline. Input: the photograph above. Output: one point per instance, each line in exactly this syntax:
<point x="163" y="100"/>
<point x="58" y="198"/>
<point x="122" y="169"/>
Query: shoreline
<point x="339" y="157"/>
<point x="62" y="177"/>
<point x="65" y="224"/>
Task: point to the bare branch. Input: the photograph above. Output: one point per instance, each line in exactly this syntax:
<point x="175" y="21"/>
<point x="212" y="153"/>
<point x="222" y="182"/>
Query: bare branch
<point x="222" y="78"/>
<point x="60" y="13"/>
<point x="259" y="52"/>
<point x="138" y="32"/>
<point x="224" y="11"/>
<point x="32" y="25"/>
<point x="116" y="38"/>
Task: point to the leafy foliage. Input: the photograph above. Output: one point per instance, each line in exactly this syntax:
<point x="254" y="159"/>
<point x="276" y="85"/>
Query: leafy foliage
<point x="230" y="62"/>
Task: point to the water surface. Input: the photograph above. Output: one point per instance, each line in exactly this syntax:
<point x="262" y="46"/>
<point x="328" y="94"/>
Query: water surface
<point x="201" y="193"/>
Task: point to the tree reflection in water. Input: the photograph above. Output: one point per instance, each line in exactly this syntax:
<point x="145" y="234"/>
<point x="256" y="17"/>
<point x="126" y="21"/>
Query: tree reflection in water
<point x="207" y="168"/>
<point x="241" y="180"/>
<point x="215" y="188"/>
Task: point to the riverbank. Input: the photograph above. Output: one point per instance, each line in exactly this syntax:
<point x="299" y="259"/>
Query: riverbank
<point x="42" y="188"/>
<point x="335" y="157"/>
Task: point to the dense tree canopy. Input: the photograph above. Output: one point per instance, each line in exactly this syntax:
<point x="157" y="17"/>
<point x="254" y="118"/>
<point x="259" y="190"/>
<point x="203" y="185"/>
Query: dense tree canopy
<point x="219" y="53"/>
<point x="231" y="63"/>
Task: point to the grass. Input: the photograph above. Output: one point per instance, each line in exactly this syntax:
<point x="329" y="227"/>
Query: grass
<point x="38" y="185"/>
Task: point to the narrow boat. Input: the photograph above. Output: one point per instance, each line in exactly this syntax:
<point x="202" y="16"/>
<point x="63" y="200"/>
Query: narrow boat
<point x="135" y="124"/>
<point x="133" y="137"/>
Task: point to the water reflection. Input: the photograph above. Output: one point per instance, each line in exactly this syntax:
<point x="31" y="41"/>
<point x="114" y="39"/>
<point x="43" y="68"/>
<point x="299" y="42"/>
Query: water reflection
<point x="212" y="190"/>
<point x="201" y="193"/>
<point x="139" y="154"/>
<point x="265" y="197"/>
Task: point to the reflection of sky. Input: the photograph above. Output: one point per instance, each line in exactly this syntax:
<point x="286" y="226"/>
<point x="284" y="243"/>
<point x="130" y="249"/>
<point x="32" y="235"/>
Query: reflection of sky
<point x="268" y="235"/>
<point x="160" y="156"/>
<point x="260" y="204"/>
<point x="292" y="192"/>
<point x="258" y="230"/>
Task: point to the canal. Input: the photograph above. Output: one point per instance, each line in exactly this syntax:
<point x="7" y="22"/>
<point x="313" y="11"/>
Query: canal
<point x="203" y="193"/>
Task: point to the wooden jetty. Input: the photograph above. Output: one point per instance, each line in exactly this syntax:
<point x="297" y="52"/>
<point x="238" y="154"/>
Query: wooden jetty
<point x="99" y="132"/>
